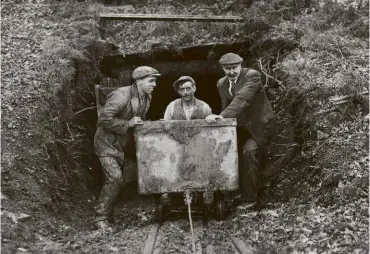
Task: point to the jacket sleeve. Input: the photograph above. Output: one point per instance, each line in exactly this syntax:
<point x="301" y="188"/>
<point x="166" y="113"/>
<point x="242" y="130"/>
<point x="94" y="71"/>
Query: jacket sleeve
<point x="223" y="96"/>
<point x="168" y="114"/>
<point x="243" y="98"/>
<point x="207" y="110"/>
<point x="108" y="119"/>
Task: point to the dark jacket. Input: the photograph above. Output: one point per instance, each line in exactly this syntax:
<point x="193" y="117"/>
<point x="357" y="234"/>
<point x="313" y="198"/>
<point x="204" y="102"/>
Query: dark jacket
<point x="249" y="104"/>
<point x="113" y="131"/>
<point x="201" y="110"/>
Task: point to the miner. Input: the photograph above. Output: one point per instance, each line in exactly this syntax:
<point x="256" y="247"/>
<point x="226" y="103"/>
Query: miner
<point x="124" y="109"/>
<point x="243" y="97"/>
<point x="187" y="107"/>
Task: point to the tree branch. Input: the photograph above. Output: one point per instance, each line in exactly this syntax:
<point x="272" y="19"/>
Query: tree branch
<point x="82" y="110"/>
<point x="269" y="76"/>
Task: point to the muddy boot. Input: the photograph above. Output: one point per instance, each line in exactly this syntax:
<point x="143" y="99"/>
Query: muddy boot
<point x="103" y="226"/>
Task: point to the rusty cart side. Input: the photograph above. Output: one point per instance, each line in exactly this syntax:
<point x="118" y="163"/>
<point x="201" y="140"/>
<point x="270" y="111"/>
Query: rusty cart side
<point x="187" y="156"/>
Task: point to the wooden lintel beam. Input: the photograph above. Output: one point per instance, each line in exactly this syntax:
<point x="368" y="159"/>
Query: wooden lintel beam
<point x="163" y="17"/>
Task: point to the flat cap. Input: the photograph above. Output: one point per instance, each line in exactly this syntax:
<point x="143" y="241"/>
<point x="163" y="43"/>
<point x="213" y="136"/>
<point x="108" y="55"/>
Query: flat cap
<point x="230" y="58"/>
<point x="181" y="79"/>
<point x="144" y="71"/>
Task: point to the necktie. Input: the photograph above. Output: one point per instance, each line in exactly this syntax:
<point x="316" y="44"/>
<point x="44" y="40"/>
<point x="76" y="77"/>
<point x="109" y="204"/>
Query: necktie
<point x="231" y="88"/>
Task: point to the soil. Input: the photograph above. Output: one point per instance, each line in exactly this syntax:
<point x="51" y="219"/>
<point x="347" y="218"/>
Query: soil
<point x="317" y="202"/>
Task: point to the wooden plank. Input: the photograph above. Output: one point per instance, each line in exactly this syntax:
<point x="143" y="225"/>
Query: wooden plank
<point x="162" y="17"/>
<point x="241" y="246"/>
<point x="150" y="242"/>
<point x="346" y="98"/>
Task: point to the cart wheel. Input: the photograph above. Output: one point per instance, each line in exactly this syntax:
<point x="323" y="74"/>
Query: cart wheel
<point x="220" y="210"/>
<point x="159" y="213"/>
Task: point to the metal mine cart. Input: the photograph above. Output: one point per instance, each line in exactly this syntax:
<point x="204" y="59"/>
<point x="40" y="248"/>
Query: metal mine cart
<point x="193" y="158"/>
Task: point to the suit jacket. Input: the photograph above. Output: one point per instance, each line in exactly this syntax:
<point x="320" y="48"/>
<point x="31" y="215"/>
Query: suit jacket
<point x="201" y="110"/>
<point x="249" y="104"/>
<point x="113" y="132"/>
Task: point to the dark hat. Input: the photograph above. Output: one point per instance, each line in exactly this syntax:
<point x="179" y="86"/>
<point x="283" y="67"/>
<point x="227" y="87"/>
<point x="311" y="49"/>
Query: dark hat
<point x="182" y="79"/>
<point x="230" y="58"/>
<point x="144" y="71"/>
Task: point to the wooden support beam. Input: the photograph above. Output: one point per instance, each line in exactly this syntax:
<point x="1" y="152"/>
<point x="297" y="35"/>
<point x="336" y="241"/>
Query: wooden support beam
<point x="344" y="99"/>
<point x="150" y="242"/>
<point x="163" y="17"/>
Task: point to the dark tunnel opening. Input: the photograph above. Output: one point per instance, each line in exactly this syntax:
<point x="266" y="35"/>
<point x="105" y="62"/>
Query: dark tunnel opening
<point x="164" y="93"/>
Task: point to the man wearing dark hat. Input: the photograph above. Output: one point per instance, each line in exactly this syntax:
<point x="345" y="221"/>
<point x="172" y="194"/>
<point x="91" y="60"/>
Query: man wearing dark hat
<point x="187" y="107"/>
<point x="113" y="142"/>
<point x="243" y="97"/>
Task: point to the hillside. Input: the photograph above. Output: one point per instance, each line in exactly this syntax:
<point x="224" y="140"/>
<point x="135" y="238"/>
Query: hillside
<point x="316" y="191"/>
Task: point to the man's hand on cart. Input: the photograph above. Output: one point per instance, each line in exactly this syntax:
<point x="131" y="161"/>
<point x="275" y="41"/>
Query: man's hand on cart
<point x="135" y="121"/>
<point x="213" y="118"/>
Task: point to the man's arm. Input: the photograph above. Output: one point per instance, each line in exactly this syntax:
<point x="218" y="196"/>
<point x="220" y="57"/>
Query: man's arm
<point x="108" y="119"/>
<point x="168" y="114"/>
<point x="207" y="110"/>
<point x="243" y="98"/>
<point x="222" y="96"/>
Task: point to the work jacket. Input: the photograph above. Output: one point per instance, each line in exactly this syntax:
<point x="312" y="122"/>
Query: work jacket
<point x="113" y="131"/>
<point x="248" y="104"/>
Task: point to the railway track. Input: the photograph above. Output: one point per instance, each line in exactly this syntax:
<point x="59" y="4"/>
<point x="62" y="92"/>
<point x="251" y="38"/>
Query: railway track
<point x="207" y="238"/>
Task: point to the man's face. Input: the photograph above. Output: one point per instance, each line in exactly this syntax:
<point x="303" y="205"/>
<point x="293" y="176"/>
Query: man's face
<point x="186" y="91"/>
<point x="147" y="84"/>
<point x="232" y="71"/>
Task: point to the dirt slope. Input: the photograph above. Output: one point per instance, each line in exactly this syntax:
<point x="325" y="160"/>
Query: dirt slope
<point x="45" y="208"/>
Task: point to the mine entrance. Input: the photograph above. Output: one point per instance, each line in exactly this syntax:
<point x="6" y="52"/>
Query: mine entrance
<point x="199" y="62"/>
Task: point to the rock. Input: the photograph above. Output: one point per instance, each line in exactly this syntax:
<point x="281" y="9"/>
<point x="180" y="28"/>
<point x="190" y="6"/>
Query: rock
<point x="2" y="196"/>
<point x="114" y="249"/>
<point x="331" y="179"/>
<point x="16" y="217"/>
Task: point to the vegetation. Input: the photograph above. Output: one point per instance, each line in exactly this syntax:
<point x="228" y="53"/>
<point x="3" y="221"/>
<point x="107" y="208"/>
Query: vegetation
<point x="307" y="51"/>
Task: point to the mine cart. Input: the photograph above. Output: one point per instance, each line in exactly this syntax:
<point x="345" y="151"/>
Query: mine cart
<point x="182" y="157"/>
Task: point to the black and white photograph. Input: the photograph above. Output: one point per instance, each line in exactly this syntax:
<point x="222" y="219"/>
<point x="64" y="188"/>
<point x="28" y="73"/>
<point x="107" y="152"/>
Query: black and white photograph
<point x="185" y="126"/>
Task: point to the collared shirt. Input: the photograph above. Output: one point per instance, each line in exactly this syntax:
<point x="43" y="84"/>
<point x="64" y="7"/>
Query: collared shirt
<point x="188" y="111"/>
<point x="168" y="115"/>
<point x="142" y="105"/>
<point x="142" y="102"/>
<point x="232" y="85"/>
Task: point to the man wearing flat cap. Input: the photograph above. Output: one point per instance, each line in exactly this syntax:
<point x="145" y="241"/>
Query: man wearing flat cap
<point x="114" y="142"/>
<point x="243" y="97"/>
<point x="187" y="107"/>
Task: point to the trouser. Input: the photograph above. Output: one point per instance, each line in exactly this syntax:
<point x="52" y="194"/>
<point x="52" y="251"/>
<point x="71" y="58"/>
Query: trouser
<point x="114" y="180"/>
<point x="250" y="163"/>
<point x="112" y="168"/>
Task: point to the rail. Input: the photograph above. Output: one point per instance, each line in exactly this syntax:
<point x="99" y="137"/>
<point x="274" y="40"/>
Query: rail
<point x="162" y="17"/>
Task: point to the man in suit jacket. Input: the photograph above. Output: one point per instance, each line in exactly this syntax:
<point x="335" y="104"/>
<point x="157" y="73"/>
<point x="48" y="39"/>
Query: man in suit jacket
<point x="243" y="97"/>
<point x="187" y="107"/>
<point x="113" y="142"/>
